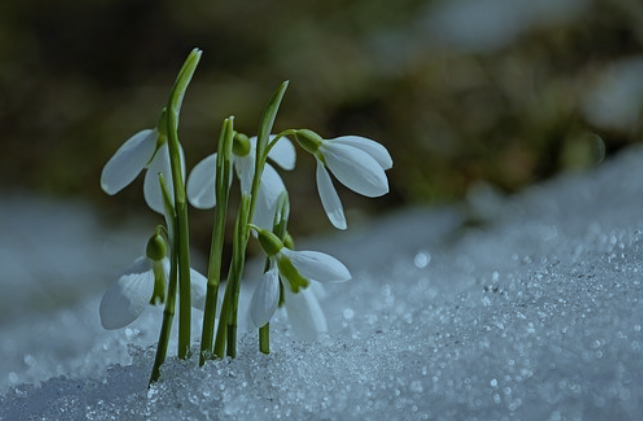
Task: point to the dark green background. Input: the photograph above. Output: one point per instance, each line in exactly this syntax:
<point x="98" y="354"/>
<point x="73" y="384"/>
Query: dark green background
<point x="78" y="77"/>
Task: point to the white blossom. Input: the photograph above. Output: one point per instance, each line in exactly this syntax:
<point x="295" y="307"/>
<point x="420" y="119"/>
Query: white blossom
<point x="133" y="292"/>
<point x="304" y="312"/>
<point x="202" y="180"/>
<point x="140" y="152"/>
<point x="265" y="299"/>
<point x="305" y="315"/>
<point x="358" y="163"/>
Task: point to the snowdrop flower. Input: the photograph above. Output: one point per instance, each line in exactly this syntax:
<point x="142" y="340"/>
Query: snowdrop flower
<point x="304" y="312"/>
<point x="143" y="284"/>
<point x="146" y="149"/>
<point x="357" y="162"/>
<point x="202" y="180"/>
<point x="296" y="270"/>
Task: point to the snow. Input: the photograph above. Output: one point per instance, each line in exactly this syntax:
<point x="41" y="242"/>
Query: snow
<point x="524" y="308"/>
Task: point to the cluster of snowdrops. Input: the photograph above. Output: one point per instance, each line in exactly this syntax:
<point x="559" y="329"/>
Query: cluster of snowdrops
<point x="292" y="278"/>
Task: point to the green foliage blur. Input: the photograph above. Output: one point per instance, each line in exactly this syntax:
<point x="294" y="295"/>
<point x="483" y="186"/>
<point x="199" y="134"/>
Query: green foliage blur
<point x="77" y="78"/>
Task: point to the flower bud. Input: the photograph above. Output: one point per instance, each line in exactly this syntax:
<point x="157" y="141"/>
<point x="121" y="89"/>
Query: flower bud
<point x="240" y="144"/>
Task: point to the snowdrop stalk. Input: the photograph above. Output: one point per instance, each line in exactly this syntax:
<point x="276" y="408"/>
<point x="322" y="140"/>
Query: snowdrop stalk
<point x="236" y="271"/>
<point x="226" y="331"/>
<point x="170" y="301"/>
<point x="222" y="192"/>
<point x="280" y="230"/>
<point x="226" y="338"/>
<point x="180" y="204"/>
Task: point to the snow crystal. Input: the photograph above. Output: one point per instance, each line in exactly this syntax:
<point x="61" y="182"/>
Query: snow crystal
<point x="535" y="314"/>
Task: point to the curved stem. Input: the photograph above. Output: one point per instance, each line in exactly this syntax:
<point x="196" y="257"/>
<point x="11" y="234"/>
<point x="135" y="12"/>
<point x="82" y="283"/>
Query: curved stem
<point x="277" y="138"/>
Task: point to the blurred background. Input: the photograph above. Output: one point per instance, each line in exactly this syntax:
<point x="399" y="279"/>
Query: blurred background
<point x="464" y="93"/>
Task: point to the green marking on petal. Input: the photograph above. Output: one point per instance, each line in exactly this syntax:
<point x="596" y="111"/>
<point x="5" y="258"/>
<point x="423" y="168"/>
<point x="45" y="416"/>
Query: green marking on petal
<point x="288" y="272"/>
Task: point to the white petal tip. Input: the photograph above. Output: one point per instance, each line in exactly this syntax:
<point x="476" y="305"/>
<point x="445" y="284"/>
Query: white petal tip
<point x="339" y="224"/>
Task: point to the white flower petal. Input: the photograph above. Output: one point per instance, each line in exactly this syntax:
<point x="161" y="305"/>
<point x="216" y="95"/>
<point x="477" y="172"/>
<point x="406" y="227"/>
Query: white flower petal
<point x="198" y="288"/>
<point x="371" y="147"/>
<point x="265" y="298"/>
<point x="355" y="169"/>
<point x="318" y="266"/>
<point x="202" y="182"/>
<point x="329" y="198"/>
<point x="305" y="314"/>
<point x="126" y="298"/>
<point x="269" y="191"/>
<point x="245" y="168"/>
<point x="152" y="188"/>
<point x="283" y="153"/>
<point x="318" y="289"/>
<point x="128" y="161"/>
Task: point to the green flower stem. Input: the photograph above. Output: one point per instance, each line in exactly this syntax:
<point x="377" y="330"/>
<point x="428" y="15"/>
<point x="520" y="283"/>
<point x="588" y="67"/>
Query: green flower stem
<point x="166" y="327"/>
<point x="263" y="137"/>
<point x="264" y="332"/>
<point x="264" y="339"/>
<point x="180" y="205"/>
<point x="238" y="263"/>
<point x="170" y="301"/>
<point x="280" y="229"/>
<point x="227" y="330"/>
<point x="224" y="167"/>
<point x="273" y="142"/>
<point x="220" y="343"/>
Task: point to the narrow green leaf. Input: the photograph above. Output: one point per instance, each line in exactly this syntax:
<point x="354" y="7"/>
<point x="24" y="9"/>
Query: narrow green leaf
<point x="268" y="120"/>
<point x="181" y="84"/>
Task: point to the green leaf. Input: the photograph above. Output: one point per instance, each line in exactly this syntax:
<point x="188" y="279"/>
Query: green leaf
<point x="267" y="121"/>
<point x="181" y="85"/>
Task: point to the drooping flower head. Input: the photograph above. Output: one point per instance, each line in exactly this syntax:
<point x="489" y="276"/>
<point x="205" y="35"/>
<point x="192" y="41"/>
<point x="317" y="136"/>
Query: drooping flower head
<point x="357" y="162"/>
<point x="147" y="149"/>
<point x="143" y="284"/>
<point x="202" y="180"/>
<point x="296" y="270"/>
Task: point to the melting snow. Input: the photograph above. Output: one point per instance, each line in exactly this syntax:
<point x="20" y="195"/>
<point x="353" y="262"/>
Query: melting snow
<point x="534" y="315"/>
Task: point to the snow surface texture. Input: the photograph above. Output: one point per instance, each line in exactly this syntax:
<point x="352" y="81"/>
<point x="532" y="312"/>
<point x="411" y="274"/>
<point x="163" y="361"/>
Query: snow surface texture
<point x="532" y="313"/>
